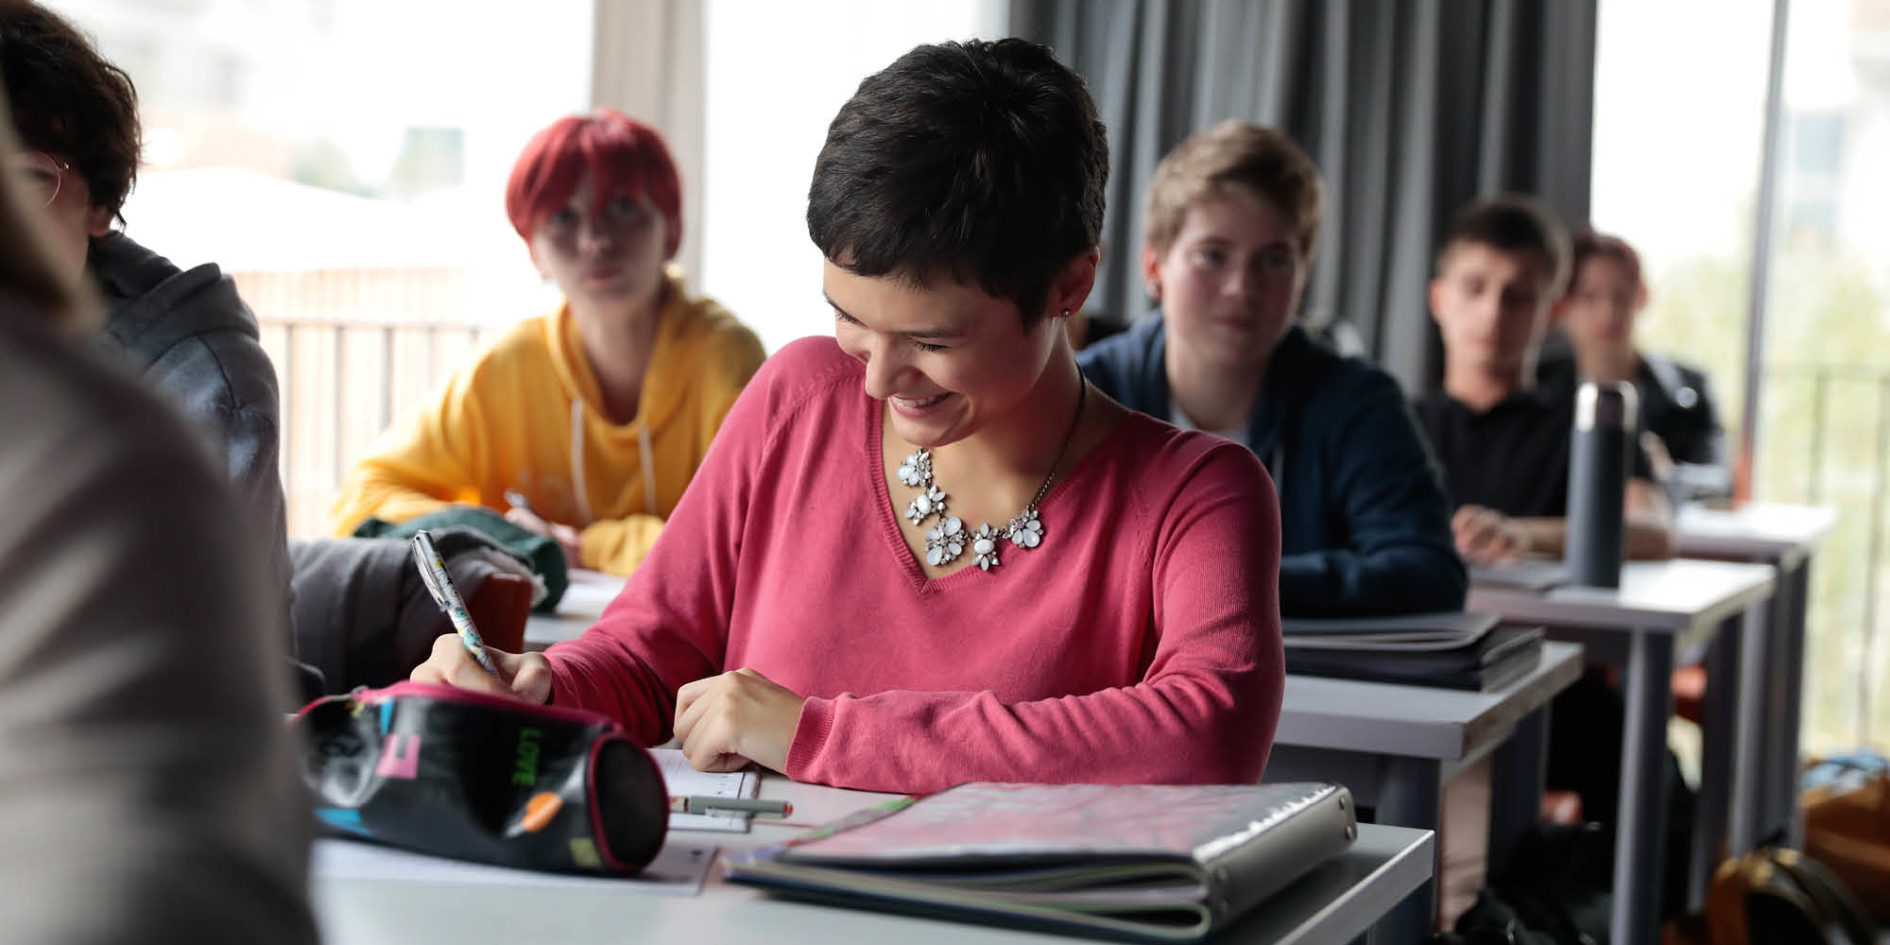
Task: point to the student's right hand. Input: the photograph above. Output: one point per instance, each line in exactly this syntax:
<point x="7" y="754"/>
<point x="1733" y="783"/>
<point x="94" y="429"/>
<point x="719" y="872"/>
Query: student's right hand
<point x="1486" y="536"/>
<point x="521" y="675"/>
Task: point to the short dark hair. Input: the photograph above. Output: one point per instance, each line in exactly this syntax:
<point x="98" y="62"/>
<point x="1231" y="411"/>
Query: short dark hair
<point x="978" y="161"/>
<point x="1513" y="223"/>
<point x="67" y="100"/>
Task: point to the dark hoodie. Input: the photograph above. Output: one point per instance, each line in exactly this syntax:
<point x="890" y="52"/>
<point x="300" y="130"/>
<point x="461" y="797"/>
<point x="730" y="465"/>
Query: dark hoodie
<point x="191" y="338"/>
<point x="1364" y="522"/>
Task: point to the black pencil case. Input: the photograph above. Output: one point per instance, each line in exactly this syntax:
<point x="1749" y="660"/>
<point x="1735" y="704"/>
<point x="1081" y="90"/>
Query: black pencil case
<point x="484" y="778"/>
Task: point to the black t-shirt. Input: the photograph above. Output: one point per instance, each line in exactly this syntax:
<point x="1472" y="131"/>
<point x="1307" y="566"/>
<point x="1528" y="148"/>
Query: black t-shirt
<point x="1513" y="458"/>
<point x="1675" y="403"/>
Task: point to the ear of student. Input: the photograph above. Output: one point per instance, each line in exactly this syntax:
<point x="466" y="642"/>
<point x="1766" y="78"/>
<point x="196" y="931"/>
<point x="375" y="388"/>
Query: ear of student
<point x="1152" y="271"/>
<point x="1073" y="286"/>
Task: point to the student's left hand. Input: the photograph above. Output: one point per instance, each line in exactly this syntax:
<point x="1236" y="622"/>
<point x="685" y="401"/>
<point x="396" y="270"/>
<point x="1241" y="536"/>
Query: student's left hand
<point x="726" y="721"/>
<point x="564" y="535"/>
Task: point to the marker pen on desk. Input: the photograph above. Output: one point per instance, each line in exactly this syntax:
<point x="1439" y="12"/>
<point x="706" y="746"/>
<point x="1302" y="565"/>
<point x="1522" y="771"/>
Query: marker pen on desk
<point x="698" y="804"/>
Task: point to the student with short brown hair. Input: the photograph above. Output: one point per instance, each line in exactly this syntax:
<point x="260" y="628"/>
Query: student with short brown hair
<point x="1502" y="440"/>
<point x="1233" y="222"/>
<point x="923" y="552"/>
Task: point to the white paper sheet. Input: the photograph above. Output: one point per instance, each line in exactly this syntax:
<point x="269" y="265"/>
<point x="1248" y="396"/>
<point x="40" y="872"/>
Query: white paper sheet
<point x="684" y="780"/>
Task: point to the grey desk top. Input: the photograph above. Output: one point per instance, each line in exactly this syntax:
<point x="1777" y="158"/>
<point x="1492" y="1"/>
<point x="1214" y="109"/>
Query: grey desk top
<point x="1758" y="531"/>
<point x="1330" y="906"/>
<point x="584" y="601"/>
<point x="1418" y="721"/>
<point x="1681" y="597"/>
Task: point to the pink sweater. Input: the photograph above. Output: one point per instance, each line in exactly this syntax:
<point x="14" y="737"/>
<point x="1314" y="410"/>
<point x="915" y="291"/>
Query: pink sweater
<point x="1140" y="643"/>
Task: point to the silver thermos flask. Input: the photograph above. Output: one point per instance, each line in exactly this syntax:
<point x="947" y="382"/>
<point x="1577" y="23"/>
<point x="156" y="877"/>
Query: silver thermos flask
<point x="1600" y="458"/>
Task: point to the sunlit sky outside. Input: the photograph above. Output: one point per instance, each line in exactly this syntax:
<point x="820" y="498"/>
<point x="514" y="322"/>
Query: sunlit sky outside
<point x="1679" y="113"/>
<point x="1679" y="109"/>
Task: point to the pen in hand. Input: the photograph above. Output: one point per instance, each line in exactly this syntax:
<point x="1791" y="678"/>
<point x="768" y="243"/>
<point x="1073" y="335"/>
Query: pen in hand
<point x="439" y="583"/>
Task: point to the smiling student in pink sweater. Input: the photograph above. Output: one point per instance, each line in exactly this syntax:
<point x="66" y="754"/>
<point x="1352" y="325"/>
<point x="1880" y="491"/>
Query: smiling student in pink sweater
<point x="925" y="552"/>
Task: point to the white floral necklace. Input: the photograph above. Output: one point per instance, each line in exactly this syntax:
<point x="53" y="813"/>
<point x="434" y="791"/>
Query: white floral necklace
<point x="945" y="541"/>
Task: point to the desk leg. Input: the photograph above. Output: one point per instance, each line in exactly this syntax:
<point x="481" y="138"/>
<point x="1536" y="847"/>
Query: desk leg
<point x="1748" y="787"/>
<point x="1726" y="755"/>
<point x="1783" y="762"/>
<point x="1640" y="834"/>
<point x="1517" y="777"/>
<point x="1410" y="795"/>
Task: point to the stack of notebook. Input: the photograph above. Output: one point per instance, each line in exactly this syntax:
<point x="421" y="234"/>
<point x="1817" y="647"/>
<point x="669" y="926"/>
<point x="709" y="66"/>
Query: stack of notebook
<point x="1157" y="863"/>
<point x="1529" y="574"/>
<point x="1455" y="651"/>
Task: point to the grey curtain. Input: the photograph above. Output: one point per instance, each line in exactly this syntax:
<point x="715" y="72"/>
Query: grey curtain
<point x="1411" y="108"/>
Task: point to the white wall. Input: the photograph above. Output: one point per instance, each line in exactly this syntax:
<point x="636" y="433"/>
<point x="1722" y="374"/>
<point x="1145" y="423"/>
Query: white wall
<point x="776" y="73"/>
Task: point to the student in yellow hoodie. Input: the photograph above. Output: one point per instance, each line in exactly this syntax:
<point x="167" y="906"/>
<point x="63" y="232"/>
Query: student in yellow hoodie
<point x="597" y="415"/>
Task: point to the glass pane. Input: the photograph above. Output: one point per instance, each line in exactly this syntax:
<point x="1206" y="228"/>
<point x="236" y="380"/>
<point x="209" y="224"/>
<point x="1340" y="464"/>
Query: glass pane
<point x="345" y="160"/>
<point x="1825" y="435"/>
<point x="1684" y="200"/>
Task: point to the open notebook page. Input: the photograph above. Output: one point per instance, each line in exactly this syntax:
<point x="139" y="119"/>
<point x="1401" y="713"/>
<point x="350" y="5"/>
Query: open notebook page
<point x="684" y="780"/>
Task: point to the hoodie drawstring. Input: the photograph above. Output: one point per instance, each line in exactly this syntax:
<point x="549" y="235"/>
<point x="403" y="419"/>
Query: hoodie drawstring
<point x="577" y="461"/>
<point x="646" y="453"/>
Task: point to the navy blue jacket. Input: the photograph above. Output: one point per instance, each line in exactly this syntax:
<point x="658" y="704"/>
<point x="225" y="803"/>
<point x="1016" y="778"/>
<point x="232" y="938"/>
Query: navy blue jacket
<point x="1364" y="523"/>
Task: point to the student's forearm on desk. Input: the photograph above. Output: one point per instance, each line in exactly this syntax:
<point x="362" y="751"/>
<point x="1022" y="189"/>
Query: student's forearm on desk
<point x="1650" y="533"/>
<point x="385" y="502"/>
<point x="1187" y="728"/>
<point x="1646" y="540"/>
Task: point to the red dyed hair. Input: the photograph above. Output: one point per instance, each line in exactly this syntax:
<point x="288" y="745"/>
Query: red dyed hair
<point x="1588" y="244"/>
<point x="623" y="157"/>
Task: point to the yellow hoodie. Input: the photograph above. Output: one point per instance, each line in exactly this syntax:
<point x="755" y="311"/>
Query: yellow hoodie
<point x="528" y="412"/>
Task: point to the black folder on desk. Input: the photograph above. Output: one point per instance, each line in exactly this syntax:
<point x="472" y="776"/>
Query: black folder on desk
<point x="1453" y="651"/>
<point x="1529" y="574"/>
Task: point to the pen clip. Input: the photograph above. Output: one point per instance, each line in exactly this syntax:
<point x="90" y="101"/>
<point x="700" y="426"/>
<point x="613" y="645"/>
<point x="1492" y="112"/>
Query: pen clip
<point x="429" y="562"/>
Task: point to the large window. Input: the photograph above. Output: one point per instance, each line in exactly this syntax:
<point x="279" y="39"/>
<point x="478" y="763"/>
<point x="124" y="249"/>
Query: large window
<point x="345" y="160"/>
<point x="1678" y="142"/>
<point x="1825" y="414"/>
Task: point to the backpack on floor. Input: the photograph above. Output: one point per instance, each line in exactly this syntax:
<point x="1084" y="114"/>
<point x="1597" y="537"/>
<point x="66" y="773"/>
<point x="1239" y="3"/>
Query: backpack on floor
<point x="1846" y="804"/>
<point x="1774" y="895"/>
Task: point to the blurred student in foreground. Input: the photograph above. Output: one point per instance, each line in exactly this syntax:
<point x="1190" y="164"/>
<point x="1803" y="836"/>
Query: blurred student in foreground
<point x="1607" y="293"/>
<point x="147" y="790"/>
<point x="1233" y="219"/>
<point x="584" y="425"/>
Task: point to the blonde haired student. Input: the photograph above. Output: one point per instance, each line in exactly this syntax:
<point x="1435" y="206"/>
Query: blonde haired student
<point x="1233" y="223"/>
